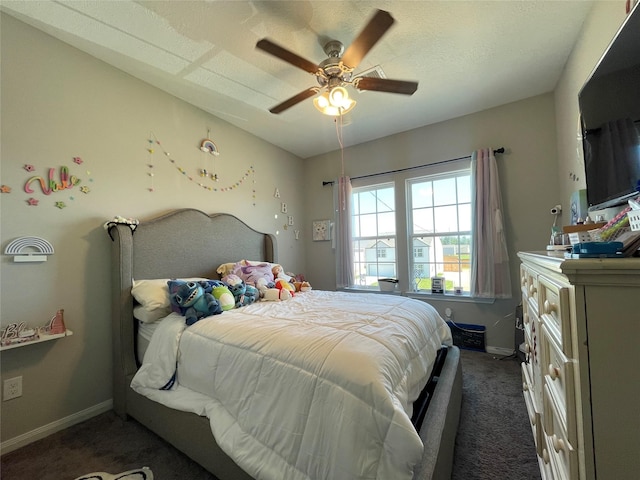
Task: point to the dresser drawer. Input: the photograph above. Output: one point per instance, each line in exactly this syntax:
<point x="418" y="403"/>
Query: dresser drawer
<point x="529" y="286"/>
<point x="559" y="383"/>
<point x="563" y="457"/>
<point x="532" y="349"/>
<point x="555" y="313"/>
<point x="533" y="409"/>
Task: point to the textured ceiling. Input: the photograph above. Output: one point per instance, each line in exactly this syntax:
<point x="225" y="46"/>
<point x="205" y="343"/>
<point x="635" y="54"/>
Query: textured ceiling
<point x="466" y="56"/>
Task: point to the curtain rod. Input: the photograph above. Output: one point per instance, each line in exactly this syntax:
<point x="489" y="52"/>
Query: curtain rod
<point x="331" y="182"/>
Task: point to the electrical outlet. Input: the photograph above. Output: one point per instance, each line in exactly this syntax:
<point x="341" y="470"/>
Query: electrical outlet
<point x="12" y="388"/>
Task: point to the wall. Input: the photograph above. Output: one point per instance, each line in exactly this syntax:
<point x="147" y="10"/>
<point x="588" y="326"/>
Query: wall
<point x="599" y="29"/>
<point x="59" y="103"/>
<point x="527" y="177"/>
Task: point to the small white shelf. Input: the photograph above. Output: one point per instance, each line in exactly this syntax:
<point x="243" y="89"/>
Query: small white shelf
<point x="43" y="338"/>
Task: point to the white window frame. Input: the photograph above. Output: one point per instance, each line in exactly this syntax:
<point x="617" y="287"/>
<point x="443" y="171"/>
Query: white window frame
<point x="456" y="273"/>
<point x="403" y="247"/>
<point x="362" y="265"/>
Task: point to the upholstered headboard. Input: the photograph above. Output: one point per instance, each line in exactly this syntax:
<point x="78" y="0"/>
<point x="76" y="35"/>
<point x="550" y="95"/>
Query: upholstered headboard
<point x="181" y="244"/>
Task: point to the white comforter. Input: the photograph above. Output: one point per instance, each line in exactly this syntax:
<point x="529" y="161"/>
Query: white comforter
<point x="317" y="387"/>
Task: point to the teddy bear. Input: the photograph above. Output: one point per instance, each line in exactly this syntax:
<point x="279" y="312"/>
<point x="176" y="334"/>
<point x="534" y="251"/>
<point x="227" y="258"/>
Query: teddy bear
<point x="195" y="300"/>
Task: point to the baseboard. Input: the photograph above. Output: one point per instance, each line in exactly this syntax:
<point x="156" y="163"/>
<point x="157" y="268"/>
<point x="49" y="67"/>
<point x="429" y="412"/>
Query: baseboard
<point x="500" y="351"/>
<point x="53" y="427"/>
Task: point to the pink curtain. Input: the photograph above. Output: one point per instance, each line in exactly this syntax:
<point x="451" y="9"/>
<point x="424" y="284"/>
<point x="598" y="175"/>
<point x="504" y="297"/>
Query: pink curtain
<point x="490" y="277"/>
<point x="344" y="257"/>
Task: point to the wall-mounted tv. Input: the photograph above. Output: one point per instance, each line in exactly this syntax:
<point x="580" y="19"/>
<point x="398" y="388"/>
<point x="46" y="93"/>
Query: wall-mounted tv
<point x="610" y="116"/>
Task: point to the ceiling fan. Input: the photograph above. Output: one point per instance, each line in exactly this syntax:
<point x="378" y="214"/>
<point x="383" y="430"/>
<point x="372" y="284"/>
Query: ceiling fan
<point x="334" y="73"/>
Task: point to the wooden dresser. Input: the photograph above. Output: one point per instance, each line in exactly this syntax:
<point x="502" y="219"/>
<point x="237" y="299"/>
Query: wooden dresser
<point x="581" y="376"/>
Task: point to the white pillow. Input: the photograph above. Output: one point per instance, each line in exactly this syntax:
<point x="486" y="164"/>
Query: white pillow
<point x="149" y="316"/>
<point x="153" y="297"/>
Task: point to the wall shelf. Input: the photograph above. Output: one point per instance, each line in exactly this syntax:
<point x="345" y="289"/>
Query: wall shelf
<point x="43" y="338"/>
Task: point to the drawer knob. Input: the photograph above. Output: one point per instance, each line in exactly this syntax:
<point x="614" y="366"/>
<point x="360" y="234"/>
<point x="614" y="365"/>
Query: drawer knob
<point x="558" y="443"/>
<point x="526" y="318"/>
<point x="554" y="372"/>
<point x="532" y="290"/>
<point x="545" y="455"/>
<point x="527" y="348"/>
<point x="525" y="387"/>
<point x="549" y="307"/>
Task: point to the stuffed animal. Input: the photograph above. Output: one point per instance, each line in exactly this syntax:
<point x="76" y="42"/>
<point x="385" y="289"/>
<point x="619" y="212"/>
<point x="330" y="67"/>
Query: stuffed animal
<point x="243" y="294"/>
<point x="252" y="274"/>
<point x="224" y="296"/>
<point x="280" y="274"/>
<point x="284" y="285"/>
<point x="302" y="286"/>
<point x="276" y="294"/>
<point x="231" y="279"/>
<point x="195" y="301"/>
<point x="263" y="285"/>
<point x="253" y="293"/>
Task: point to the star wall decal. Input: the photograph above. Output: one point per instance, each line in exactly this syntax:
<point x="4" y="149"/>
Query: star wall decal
<point x="5" y="189"/>
<point x="33" y="202"/>
<point x="60" y="205"/>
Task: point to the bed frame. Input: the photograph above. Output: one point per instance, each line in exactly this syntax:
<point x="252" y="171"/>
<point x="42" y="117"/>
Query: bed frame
<point x="190" y="243"/>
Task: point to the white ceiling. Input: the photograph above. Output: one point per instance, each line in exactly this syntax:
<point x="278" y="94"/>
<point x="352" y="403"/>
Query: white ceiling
<point x="466" y="56"/>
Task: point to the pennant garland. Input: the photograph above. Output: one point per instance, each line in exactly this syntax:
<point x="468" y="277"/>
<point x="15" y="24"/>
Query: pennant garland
<point x="198" y="181"/>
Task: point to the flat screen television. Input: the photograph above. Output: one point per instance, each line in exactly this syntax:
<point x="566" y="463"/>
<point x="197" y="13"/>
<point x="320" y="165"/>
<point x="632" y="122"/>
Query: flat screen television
<point x="609" y="105"/>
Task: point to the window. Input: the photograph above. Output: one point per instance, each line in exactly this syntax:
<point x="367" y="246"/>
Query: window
<point x="374" y="234"/>
<point x="439" y="210"/>
<point x="437" y="231"/>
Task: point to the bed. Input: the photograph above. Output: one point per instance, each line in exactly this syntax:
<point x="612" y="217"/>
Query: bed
<point x="188" y="243"/>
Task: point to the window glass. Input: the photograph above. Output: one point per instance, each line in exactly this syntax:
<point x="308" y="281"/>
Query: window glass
<point x="438" y="232"/>
<point x="442" y="232"/>
<point x="374" y="241"/>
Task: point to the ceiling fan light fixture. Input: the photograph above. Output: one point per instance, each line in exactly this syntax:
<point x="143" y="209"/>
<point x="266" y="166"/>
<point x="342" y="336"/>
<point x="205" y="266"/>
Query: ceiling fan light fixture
<point x="334" y="103"/>
<point x="339" y="97"/>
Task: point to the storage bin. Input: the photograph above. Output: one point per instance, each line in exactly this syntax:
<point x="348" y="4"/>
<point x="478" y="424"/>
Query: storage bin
<point x="387" y="284"/>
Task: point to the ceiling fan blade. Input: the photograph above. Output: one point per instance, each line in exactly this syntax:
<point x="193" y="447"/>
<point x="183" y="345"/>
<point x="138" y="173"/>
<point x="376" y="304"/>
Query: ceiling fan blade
<point x="386" y="85"/>
<point x="294" y="100"/>
<point x="288" y="56"/>
<point x="372" y="32"/>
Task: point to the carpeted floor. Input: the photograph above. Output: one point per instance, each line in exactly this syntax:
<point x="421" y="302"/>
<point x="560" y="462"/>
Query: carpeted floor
<point x="494" y="440"/>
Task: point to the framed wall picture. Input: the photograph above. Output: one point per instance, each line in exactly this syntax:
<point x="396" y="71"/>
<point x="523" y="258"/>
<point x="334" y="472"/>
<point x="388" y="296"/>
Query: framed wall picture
<point x="321" y="230"/>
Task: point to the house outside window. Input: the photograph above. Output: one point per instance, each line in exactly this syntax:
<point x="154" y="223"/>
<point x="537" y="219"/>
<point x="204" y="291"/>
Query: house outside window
<point x="374" y="234"/>
<point x="440" y="216"/>
<point x="435" y="224"/>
